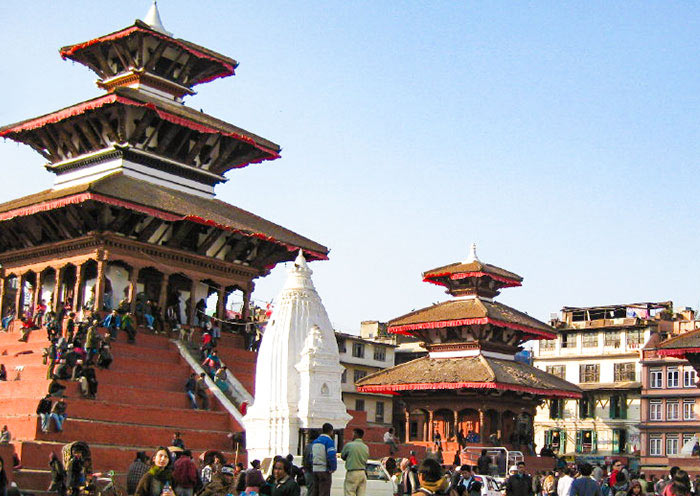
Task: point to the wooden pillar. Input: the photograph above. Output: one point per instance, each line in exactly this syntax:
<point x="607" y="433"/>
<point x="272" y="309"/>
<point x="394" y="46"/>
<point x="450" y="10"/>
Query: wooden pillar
<point x="77" y="289"/>
<point x="499" y="425"/>
<point x="407" y="416"/>
<point x="245" y="311"/>
<point x="57" y="288"/>
<point x="456" y="422"/>
<point x="482" y="418"/>
<point x="2" y="292"/>
<point x="430" y="425"/>
<point x="100" y="284"/>
<point x="163" y="296"/>
<point x="133" y="282"/>
<point x="19" y="297"/>
<point x="193" y="303"/>
<point x="221" y="303"/>
<point x="37" y="292"/>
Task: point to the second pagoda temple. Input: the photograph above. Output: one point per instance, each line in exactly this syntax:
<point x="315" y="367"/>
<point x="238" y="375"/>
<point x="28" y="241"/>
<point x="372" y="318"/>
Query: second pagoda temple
<point x="469" y="388"/>
<point x="132" y="214"/>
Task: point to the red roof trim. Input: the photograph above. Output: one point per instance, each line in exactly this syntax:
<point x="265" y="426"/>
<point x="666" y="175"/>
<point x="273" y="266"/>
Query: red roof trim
<point x="229" y="68"/>
<point x="464" y="275"/>
<point x="404" y="329"/>
<point x="677" y="352"/>
<point x="82" y="197"/>
<point x="109" y="99"/>
<point x="387" y="389"/>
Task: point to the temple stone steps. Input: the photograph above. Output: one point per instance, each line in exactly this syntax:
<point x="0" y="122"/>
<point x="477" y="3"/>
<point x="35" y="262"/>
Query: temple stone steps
<point x="140" y="403"/>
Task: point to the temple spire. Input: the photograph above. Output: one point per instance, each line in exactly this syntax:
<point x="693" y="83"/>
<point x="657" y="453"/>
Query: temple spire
<point x="153" y="19"/>
<point x="472" y="254"/>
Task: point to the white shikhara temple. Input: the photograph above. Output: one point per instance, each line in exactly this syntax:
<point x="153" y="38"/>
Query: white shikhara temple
<point x="298" y="372"/>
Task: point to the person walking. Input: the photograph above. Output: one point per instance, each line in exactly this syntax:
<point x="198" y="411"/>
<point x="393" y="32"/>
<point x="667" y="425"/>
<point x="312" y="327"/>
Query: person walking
<point x="355" y="454"/>
<point x="564" y="484"/>
<point x="585" y="485"/>
<point x="201" y="390"/>
<point x="323" y="459"/>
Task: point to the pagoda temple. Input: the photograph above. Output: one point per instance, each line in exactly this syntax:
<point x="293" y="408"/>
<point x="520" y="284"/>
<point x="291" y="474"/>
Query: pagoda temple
<point x="132" y="212"/>
<point x="469" y="385"/>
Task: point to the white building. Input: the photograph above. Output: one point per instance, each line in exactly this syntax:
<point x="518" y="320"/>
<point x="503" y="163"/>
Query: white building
<point x="361" y="356"/>
<point x="597" y="348"/>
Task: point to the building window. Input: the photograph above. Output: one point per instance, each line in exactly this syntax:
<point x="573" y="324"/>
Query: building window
<point x="687" y="438"/>
<point x="358" y="374"/>
<point x="688" y="409"/>
<point x="360" y="405"/>
<point x="556" y="408"/>
<point x="379" y="353"/>
<point x="689" y="378"/>
<point x="612" y="338"/>
<point x="586" y="442"/>
<point x="634" y="338"/>
<point x="344" y="376"/>
<point x="672" y="410"/>
<point x="590" y="339"/>
<point x="358" y="350"/>
<point x="555" y="439"/>
<point x="625" y="372"/>
<point x="558" y="370"/>
<point x="656" y="378"/>
<point x="379" y="413"/>
<point x="655" y="445"/>
<point x="548" y="344"/>
<point x="655" y="410"/>
<point x="341" y="345"/>
<point x="672" y="377"/>
<point x="618" y="407"/>
<point x="671" y="445"/>
<point x="586" y="407"/>
<point x="568" y="340"/>
<point x="589" y="372"/>
<point x="619" y="441"/>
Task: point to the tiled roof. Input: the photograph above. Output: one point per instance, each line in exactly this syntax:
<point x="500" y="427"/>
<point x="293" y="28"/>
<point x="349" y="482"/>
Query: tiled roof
<point x="475" y="266"/>
<point x="174" y="203"/>
<point x="452" y="313"/>
<point x="477" y="372"/>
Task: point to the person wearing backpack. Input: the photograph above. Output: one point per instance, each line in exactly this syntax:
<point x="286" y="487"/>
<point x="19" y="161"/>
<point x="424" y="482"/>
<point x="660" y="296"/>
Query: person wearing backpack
<point x="431" y="479"/>
<point x="323" y="460"/>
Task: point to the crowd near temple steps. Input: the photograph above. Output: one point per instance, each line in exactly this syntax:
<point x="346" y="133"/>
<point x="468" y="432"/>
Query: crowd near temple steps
<point x="135" y="360"/>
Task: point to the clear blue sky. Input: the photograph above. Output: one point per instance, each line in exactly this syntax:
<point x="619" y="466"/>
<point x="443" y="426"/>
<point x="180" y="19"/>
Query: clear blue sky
<point x="562" y="137"/>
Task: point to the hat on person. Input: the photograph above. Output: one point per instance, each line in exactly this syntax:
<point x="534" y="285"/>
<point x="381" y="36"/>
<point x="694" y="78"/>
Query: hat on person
<point x="513" y="468"/>
<point x="227" y="470"/>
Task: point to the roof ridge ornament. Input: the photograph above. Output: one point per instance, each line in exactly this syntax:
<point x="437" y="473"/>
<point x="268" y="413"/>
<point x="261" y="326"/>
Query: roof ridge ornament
<point x="152" y="18"/>
<point x="472" y="254"/>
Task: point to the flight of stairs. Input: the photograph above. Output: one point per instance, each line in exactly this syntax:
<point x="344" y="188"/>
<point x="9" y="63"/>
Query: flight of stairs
<point x="140" y="404"/>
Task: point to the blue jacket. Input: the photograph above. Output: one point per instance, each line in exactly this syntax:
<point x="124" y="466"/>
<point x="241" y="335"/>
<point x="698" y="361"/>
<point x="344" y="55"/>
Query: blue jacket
<point x="112" y="321"/>
<point x="323" y="454"/>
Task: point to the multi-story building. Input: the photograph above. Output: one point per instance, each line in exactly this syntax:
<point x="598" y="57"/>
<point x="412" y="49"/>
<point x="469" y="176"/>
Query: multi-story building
<point x="670" y="413"/>
<point x="597" y="348"/>
<point x="362" y="356"/>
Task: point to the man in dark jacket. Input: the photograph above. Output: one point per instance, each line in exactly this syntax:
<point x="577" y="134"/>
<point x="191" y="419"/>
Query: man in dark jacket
<point x="136" y="470"/>
<point x="190" y="387"/>
<point x="44" y="410"/>
<point x="520" y="483"/>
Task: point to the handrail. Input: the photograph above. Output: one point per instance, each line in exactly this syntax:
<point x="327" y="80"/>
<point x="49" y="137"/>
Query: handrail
<point x="239" y="392"/>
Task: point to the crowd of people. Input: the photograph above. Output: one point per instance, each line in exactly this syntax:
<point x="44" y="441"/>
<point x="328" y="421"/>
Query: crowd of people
<point x="595" y="480"/>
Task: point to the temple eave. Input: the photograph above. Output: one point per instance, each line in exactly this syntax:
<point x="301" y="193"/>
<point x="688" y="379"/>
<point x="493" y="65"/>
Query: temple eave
<point x="437" y="386"/>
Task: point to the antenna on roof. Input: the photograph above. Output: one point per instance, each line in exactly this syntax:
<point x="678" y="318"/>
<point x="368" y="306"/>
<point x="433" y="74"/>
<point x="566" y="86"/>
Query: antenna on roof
<point x="153" y="19"/>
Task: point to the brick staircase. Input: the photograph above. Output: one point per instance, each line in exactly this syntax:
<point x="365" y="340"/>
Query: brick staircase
<point x="140" y="404"/>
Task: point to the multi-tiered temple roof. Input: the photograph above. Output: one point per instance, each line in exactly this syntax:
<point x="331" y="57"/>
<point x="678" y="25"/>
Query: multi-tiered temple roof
<point x="142" y="165"/>
<point x="471" y="339"/>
